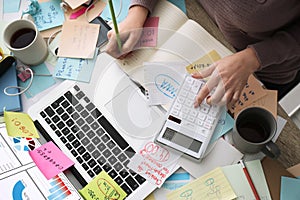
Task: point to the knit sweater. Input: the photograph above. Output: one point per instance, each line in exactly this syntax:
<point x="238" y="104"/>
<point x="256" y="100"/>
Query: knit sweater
<point x="270" y="27"/>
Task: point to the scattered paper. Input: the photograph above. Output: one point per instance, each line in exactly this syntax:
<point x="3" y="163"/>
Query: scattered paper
<point x="78" y="39"/>
<point x="251" y="92"/>
<point x="103" y="187"/>
<point x="50" y="160"/>
<point x="149" y="34"/>
<point x="210" y="186"/>
<point x="269" y="102"/>
<point x="239" y="183"/>
<point x="289" y="188"/>
<point x="77" y="69"/>
<point x="162" y="81"/>
<point x="154" y="163"/>
<point x="75" y="3"/>
<point x="20" y="124"/>
<point x="49" y="15"/>
<point x="11" y="6"/>
<point x="203" y="62"/>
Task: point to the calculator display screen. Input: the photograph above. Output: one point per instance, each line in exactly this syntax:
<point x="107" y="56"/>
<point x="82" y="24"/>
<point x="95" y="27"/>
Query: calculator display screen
<point x="182" y="140"/>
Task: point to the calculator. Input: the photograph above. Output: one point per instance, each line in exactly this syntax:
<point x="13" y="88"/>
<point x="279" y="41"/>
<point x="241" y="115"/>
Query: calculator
<point x="188" y="129"/>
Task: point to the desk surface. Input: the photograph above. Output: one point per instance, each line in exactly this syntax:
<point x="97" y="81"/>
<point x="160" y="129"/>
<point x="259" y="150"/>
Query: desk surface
<point x="289" y="139"/>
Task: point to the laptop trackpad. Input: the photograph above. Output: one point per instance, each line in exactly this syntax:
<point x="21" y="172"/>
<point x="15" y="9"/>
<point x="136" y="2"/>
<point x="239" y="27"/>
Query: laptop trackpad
<point x="132" y="113"/>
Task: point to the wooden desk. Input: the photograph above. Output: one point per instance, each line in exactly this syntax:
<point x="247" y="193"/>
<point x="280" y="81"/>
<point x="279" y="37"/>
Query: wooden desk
<point x="289" y="139"/>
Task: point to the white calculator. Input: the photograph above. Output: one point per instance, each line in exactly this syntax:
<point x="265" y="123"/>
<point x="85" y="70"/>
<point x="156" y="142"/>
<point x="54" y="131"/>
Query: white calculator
<point x="188" y="129"/>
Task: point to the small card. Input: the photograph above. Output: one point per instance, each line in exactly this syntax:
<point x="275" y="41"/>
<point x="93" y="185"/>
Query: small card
<point x="203" y="62"/>
<point x="20" y="124"/>
<point x="78" y="39"/>
<point x="154" y="163"/>
<point x="77" y="69"/>
<point x="103" y="187"/>
<point x="50" y="160"/>
<point x="252" y="91"/>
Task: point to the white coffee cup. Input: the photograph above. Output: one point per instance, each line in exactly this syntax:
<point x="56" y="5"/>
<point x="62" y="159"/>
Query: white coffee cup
<point x="30" y="51"/>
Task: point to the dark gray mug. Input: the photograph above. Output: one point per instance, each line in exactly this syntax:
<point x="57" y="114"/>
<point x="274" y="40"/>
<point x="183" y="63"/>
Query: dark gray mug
<point x="253" y="131"/>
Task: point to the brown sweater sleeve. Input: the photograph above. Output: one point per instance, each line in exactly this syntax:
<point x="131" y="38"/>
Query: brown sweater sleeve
<point x="283" y="45"/>
<point x="149" y="4"/>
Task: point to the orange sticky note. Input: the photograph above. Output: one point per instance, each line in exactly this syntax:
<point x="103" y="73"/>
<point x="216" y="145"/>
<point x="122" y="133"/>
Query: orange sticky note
<point x="20" y="124"/>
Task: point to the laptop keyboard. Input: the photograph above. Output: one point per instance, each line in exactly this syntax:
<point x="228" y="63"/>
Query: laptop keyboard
<point x="91" y="139"/>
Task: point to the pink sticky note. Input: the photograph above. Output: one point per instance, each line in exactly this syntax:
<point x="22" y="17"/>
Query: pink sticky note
<point x="50" y="160"/>
<point x="150" y="31"/>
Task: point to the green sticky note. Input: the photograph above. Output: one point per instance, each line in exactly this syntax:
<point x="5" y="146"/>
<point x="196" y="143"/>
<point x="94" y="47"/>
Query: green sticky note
<point x="20" y="124"/>
<point x="102" y="187"/>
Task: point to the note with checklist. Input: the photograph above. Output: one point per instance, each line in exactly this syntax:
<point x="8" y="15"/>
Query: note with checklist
<point x="212" y="185"/>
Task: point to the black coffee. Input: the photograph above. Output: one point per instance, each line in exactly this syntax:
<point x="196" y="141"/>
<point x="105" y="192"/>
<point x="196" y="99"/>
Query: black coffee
<point x="253" y="131"/>
<point x="22" y="38"/>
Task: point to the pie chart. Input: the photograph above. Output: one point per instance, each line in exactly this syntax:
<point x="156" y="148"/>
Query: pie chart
<point x="24" y="144"/>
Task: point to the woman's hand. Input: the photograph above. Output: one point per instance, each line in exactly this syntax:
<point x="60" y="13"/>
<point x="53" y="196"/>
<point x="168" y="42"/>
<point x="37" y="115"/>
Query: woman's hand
<point x="228" y="77"/>
<point x="130" y="30"/>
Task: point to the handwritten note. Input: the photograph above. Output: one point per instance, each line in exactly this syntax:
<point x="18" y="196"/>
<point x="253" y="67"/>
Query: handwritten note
<point x="212" y="185"/>
<point x="50" y="160"/>
<point x="149" y="33"/>
<point x="77" y="69"/>
<point x="154" y="163"/>
<point x="49" y="15"/>
<point x="269" y="102"/>
<point x="203" y="62"/>
<point x="102" y="187"/>
<point x="162" y="81"/>
<point x="78" y="39"/>
<point x="20" y="124"/>
<point x="252" y="91"/>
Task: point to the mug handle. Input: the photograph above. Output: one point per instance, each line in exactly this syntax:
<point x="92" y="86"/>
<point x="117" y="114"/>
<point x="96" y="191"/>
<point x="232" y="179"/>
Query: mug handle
<point x="271" y="150"/>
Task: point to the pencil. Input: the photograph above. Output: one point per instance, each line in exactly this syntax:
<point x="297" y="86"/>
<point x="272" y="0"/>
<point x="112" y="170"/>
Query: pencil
<point x="249" y="180"/>
<point x="113" y="16"/>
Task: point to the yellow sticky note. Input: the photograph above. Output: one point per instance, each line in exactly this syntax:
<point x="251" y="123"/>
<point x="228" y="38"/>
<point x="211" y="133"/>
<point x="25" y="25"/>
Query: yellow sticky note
<point x="212" y="185"/>
<point x="20" y="124"/>
<point x="203" y="62"/>
<point x="103" y="187"/>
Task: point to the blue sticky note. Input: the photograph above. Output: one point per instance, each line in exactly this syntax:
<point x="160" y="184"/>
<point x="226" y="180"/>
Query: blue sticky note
<point x="11" y="6"/>
<point x="289" y="188"/>
<point x="49" y="15"/>
<point x="225" y="124"/>
<point x="39" y="83"/>
<point x="77" y="69"/>
<point x="120" y="8"/>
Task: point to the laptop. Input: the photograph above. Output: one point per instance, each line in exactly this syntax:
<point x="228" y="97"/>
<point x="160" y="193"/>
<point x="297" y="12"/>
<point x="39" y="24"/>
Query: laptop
<point x="100" y="125"/>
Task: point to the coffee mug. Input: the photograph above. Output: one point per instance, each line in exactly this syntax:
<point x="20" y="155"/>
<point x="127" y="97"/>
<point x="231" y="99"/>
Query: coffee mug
<point x="253" y="131"/>
<point x="24" y="40"/>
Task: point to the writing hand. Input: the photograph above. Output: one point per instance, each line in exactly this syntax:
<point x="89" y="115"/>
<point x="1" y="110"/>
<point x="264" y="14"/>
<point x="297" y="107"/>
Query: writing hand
<point x="228" y="77"/>
<point x="130" y="31"/>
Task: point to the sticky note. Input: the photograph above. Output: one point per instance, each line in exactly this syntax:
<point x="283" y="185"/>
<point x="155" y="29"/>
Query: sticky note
<point x="77" y="69"/>
<point x="203" y="62"/>
<point x="289" y="188"/>
<point x="20" y="124"/>
<point x="50" y="160"/>
<point x="210" y="186"/>
<point x="49" y="15"/>
<point x="103" y="187"/>
<point x="78" y="39"/>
